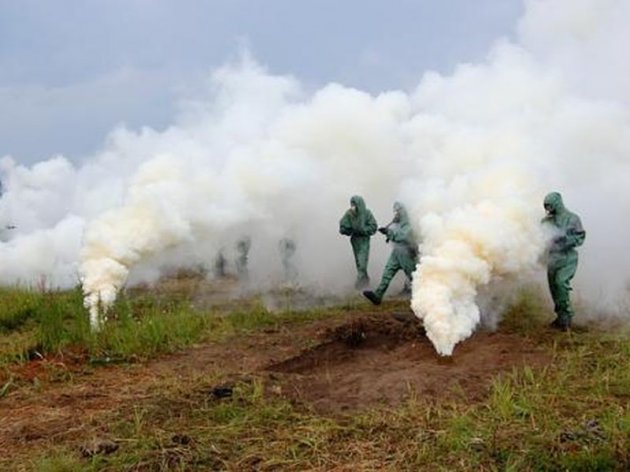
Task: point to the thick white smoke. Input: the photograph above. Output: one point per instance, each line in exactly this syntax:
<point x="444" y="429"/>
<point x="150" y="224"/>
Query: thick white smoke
<point x="517" y="127"/>
<point x="471" y="154"/>
<point x="260" y="160"/>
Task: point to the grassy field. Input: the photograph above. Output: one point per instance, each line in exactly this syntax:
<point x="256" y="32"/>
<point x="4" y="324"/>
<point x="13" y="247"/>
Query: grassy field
<point x="571" y="414"/>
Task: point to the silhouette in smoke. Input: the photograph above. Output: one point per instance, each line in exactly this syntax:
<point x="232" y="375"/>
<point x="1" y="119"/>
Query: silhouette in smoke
<point x="242" y="250"/>
<point x="562" y="257"/>
<point x="359" y="223"/>
<point x="287" y="248"/>
<point x="404" y="255"/>
<point x="220" y="264"/>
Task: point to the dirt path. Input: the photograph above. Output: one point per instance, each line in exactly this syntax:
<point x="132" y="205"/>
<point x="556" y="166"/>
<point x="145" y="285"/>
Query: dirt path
<point x="332" y="365"/>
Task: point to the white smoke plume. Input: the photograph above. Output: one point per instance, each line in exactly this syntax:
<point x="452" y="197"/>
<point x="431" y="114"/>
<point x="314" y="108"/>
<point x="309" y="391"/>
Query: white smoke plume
<point x="472" y="154"/>
<point x="516" y="128"/>
<point x="259" y="159"/>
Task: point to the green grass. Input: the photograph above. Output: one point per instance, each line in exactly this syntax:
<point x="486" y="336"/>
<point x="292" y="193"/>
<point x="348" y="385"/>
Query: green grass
<point x="50" y="322"/>
<point x="17" y="308"/>
<point x="139" y="326"/>
<point x="573" y="414"/>
<point x="525" y="424"/>
<point x="526" y="314"/>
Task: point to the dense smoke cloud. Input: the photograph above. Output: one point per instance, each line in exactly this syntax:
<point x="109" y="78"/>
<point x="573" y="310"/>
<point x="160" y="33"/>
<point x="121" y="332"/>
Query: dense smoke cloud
<point x="471" y="154"/>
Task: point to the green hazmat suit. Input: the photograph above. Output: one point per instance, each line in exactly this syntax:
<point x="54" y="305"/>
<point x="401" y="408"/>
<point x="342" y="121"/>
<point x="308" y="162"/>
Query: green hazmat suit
<point x="287" y="248"/>
<point x="220" y="264"/>
<point x="404" y="255"/>
<point x="562" y="256"/>
<point x="359" y="223"/>
<point x="243" y="246"/>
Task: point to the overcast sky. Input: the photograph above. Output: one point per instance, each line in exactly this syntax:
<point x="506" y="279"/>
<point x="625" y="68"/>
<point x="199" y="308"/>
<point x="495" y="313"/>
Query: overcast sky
<point x="71" y="70"/>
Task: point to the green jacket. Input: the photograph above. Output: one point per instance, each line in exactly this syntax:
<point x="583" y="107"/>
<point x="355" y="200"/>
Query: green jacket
<point x="361" y="223"/>
<point x="401" y="233"/>
<point x="571" y="234"/>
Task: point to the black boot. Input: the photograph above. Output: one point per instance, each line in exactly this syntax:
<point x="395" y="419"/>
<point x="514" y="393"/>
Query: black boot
<point x="561" y="324"/>
<point x="373" y="297"/>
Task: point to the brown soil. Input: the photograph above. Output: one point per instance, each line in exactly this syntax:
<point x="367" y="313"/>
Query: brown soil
<point x="376" y="359"/>
<point x="329" y="365"/>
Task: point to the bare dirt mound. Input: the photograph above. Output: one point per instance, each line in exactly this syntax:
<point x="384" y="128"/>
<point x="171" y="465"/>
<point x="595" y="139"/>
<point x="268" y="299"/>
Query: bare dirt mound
<point x="377" y="359"/>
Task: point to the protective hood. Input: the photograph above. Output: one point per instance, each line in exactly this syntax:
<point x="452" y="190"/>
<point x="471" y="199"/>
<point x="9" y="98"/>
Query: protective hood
<point x="361" y="216"/>
<point x="554" y="201"/>
<point x="402" y="212"/>
<point x="358" y="201"/>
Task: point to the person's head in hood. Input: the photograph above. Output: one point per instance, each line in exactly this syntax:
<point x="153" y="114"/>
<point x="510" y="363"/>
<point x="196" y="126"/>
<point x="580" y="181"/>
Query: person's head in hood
<point x="553" y="203"/>
<point x="400" y="213"/>
<point x="357" y="204"/>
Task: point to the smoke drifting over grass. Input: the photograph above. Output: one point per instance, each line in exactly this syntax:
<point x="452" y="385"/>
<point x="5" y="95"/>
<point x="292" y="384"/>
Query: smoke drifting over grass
<point x="471" y="154"/>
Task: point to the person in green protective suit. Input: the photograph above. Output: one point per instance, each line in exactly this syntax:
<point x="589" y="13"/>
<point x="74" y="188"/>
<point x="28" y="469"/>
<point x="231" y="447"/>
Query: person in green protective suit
<point x="562" y="257"/>
<point x="242" y="249"/>
<point x="404" y="255"/>
<point x="359" y="223"/>
<point x="287" y="248"/>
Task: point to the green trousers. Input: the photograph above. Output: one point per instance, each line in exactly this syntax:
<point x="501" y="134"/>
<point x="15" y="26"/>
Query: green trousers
<point x="560" y="271"/>
<point x="399" y="259"/>
<point x="361" y="250"/>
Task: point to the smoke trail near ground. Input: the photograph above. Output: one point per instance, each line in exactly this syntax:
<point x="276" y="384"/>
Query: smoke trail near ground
<point x="471" y="154"/>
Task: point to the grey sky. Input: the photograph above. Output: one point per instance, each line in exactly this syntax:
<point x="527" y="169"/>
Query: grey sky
<point x="70" y="70"/>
